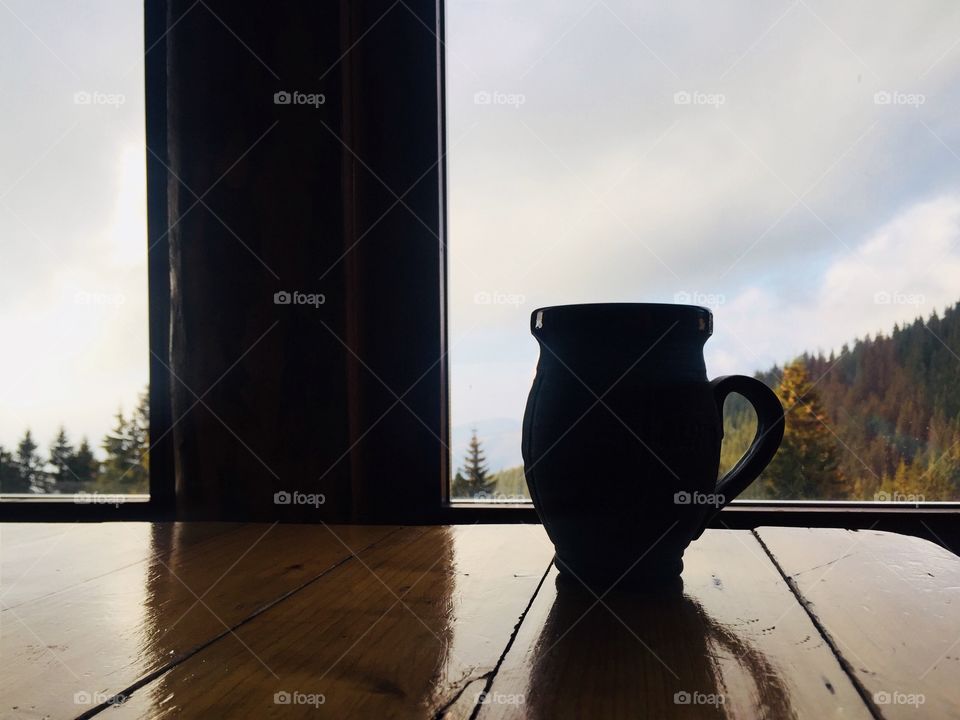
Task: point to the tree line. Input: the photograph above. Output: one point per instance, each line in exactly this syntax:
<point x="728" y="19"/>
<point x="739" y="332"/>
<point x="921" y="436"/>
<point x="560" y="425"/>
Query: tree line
<point x="880" y="420"/>
<point x="69" y="468"/>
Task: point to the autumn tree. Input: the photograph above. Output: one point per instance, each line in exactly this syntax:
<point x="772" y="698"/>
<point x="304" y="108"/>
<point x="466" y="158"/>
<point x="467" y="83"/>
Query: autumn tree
<point x="807" y="465"/>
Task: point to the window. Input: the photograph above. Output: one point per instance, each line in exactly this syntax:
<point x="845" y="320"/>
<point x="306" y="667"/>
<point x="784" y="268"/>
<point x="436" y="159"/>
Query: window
<point x="793" y="167"/>
<point x="74" y="415"/>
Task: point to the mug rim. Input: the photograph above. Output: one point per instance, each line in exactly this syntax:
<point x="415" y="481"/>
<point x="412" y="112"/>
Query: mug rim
<point x="662" y="307"/>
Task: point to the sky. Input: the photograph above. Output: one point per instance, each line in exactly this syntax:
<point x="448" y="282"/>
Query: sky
<point x="73" y="301"/>
<point x="793" y="165"/>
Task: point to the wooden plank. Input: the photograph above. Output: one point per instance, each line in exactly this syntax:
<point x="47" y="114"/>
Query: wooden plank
<point x="101" y="636"/>
<point x="732" y="642"/>
<point x="890" y="604"/>
<point x="404" y="633"/>
<point x="39" y="559"/>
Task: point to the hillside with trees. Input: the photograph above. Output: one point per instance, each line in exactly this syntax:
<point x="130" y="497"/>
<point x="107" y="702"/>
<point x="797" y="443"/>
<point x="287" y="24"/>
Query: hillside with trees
<point x="880" y="420"/>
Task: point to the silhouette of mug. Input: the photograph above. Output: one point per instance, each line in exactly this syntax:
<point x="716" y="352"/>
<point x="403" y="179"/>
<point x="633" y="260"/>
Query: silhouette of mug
<point x="622" y="433"/>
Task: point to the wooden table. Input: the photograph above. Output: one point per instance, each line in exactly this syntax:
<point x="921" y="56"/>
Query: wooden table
<point x="131" y="620"/>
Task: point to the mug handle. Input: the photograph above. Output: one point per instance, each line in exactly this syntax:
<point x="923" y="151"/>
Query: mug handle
<point x="770" y="425"/>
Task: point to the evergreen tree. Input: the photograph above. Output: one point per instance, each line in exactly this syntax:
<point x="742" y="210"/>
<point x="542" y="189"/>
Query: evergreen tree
<point x="84" y="467"/>
<point x="30" y="465"/>
<point x="807" y="465"/>
<point x="61" y="451"/>
<point x="125" y="469"/>
<point x="475" y="479"/>
<point x="11" y="481"/>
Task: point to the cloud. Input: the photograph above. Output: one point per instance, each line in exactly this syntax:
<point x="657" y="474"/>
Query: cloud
<point x="904" y="269"/>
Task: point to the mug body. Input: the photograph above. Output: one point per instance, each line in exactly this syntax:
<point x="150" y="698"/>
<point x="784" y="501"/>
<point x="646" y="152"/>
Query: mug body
<point x="621" y="437"/>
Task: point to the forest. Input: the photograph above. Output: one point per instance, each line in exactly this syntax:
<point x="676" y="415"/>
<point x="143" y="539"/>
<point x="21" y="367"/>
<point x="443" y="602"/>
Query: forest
<point x="878" y="421"/>
<point x="69" y="468"/>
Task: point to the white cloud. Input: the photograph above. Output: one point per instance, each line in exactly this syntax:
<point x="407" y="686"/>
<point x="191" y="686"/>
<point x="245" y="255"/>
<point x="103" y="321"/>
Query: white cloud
<point x="906" y="268"/>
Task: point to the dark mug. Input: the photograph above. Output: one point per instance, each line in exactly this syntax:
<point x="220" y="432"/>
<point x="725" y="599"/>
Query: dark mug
<point x="621" y="437"/>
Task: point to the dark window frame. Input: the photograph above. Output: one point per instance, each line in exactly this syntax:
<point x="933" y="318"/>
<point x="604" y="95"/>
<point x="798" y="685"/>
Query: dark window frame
<point x="428" y="501"/>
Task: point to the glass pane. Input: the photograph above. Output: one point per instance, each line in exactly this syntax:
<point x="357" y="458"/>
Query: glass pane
<point x="793" y="167"/>
<point x="73" y="227"/>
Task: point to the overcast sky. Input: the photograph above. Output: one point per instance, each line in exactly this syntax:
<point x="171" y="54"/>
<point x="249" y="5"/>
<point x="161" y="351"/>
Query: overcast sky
<point x="784" y="162"/>
<point x="73" y="304"/>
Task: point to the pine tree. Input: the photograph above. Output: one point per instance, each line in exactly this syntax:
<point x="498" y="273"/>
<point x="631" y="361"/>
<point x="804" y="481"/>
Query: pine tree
<point x="61" y="451"/>
<point x="11" y="481"/>
<point x="475" y="479"/>
<point x="84" y="467"/>
<point x="807" y="466"/>
<point x="125" y="469"/>
<point x="30" y="466"/>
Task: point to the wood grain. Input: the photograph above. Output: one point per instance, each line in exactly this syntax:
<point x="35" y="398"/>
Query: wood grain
<point x="890" y="604"/>
<point x="39" y="559"/>
<point x="100" y="636"/>
<point x="403" y="632"/>
<point x="732" y="642"/>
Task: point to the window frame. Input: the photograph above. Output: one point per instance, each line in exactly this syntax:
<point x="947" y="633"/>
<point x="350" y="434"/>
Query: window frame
<point x="430" y="462"/>
<point x="158" y="505"/>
